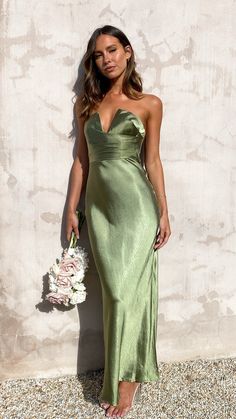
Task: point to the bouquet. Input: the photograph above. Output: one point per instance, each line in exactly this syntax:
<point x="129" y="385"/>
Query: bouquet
<point x="67" y="274"/>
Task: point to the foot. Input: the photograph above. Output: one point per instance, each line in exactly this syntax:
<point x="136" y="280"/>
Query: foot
<point x="104" y="405"/>
<point x="126" y="394"/>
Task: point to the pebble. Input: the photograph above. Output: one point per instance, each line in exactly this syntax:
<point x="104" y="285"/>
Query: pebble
<point x="198" y="389"/>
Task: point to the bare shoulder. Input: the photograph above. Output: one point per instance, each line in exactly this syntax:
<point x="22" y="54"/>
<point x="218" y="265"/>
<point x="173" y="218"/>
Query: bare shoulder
<point x="153" y="104"/>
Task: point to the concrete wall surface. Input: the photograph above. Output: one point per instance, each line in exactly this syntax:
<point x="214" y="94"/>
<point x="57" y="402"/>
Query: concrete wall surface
<point x="185" y="52"/>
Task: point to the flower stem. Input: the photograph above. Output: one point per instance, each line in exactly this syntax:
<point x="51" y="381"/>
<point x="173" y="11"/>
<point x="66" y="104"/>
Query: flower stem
<point x="73" y="240"/>
<point x="81" y="218"/>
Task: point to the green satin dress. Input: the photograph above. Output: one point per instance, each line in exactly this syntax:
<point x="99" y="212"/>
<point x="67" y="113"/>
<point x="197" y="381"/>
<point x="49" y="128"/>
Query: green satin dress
<point x="122" y="220"/>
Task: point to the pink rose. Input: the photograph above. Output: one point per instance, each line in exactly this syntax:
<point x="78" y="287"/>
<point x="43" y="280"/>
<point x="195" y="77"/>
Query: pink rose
<point x="68" y="267"/>
<point x="55" y="298"/>
<point x="64" y="281"/>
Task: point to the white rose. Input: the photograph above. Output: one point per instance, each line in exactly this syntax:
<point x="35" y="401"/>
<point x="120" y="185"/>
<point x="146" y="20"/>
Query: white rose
<point x="78" y="297"/>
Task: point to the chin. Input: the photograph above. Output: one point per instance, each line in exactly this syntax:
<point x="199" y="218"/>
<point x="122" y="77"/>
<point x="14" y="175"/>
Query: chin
<point x="113" y="75"/>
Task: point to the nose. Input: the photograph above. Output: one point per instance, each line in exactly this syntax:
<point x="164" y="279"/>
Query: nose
<point x="106" y="58"/>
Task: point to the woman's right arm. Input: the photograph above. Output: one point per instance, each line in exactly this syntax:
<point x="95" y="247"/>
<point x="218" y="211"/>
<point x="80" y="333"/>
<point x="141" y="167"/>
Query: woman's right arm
<point x="78" y="176"/>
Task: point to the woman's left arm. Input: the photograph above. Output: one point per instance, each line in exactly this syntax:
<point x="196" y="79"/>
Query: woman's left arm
<point x="154" y="167"/>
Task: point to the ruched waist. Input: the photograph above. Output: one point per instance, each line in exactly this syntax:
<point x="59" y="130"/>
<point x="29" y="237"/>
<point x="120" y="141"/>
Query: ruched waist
<point x="103" y="157"/>
<point x="112" y="152"/>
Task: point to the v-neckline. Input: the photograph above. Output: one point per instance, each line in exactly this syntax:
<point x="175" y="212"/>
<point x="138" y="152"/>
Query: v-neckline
<point x="114" y="118"/>
<point x="111" y="123"/>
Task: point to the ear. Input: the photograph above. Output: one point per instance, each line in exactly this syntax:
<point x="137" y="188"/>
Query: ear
<point x="128" y="51"/>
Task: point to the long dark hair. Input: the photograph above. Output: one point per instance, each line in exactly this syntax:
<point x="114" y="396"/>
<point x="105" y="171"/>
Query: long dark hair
<point x="95" y="85"/>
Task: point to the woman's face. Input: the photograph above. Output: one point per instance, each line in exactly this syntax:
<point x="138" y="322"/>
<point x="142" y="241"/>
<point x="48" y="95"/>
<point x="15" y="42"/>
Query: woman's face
<point x="110" y="56"/>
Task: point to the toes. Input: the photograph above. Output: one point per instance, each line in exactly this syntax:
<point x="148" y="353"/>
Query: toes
<point x="105" y="405"/>
<point x="110" y="411"/>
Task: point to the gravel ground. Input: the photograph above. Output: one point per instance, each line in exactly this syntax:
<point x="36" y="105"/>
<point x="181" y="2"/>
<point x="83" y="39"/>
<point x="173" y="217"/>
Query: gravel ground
<point x="197" y="389"/>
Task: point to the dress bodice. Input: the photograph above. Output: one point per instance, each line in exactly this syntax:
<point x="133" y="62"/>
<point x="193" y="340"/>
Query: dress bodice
<point x="123" y="139"/>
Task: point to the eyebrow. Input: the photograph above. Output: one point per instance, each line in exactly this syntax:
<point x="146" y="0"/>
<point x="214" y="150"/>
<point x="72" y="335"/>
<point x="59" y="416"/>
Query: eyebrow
<point x="112" y="45"/>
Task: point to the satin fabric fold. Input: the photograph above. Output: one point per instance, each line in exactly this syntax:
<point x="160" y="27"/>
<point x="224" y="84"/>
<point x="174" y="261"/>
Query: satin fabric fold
<point x="122" y="220"/>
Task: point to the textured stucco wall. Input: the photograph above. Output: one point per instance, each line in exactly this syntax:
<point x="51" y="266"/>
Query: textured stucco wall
<point x="186" y="54"/>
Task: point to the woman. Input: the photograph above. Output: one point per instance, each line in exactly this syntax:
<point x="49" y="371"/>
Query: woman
<point x="125" y="207"/>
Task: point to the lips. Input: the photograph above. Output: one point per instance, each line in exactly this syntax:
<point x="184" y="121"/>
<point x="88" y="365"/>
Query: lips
<point x="110" y="68"/>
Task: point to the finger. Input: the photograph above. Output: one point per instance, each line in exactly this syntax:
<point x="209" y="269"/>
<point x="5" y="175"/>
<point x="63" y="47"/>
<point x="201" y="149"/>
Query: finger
<point x="159" y="240"/>
<point x="161" y="244"/>
<point x="68" y="234"/>
<point x="158" y="235"/>
<point x="164" y="241"/>
<point x="157" y="244"/>
<point x="76" y="230"/>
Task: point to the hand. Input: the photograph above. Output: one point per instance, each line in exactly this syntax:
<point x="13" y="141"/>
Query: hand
<point x="71" y="224"/>
<point x="164" y="232"/>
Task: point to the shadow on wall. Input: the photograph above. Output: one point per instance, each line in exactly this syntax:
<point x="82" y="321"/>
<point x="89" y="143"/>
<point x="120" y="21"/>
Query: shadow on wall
<point x="90" y="355"/>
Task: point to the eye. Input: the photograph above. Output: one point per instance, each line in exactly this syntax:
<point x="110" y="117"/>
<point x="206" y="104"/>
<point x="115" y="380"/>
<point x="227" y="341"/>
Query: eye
<point x="99" y="55"/>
